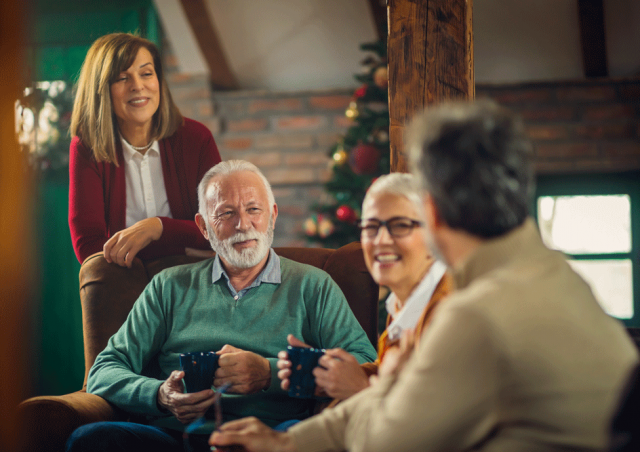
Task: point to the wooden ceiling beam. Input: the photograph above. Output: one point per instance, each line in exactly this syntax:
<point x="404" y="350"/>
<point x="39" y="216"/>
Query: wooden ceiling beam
<point x="592" y="38"/>
<point x="209" y="43"/>
<point x="379" y="12"/>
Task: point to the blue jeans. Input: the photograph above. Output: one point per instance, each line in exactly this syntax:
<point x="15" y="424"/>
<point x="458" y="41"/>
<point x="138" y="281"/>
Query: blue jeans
<point x="284" y="426"/>
<point x="131" y="437"/>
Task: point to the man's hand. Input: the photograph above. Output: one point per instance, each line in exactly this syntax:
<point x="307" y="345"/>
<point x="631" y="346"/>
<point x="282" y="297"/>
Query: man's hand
<point x="340" y="374"/>
<point x="185" y="407"/>
<point x="253" y="435"/>
<point x="124" y="245"/>
<point x="285" y="366"/>
<point x="246" y="372"/>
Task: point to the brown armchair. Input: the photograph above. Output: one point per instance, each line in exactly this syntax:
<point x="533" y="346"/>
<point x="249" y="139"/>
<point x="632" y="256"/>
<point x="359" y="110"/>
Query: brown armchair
<point x="107" y="293"/>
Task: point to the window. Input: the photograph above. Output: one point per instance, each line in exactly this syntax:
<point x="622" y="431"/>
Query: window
<point x="595" y="221"/>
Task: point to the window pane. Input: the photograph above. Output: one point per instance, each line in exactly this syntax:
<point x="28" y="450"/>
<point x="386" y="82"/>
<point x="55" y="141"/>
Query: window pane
<point x="586" y="224"/>
<point x="611" y="283"/>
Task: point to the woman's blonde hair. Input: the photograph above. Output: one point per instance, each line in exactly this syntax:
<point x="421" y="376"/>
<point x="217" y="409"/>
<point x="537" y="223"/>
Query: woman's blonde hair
<point x="93" y="119"/>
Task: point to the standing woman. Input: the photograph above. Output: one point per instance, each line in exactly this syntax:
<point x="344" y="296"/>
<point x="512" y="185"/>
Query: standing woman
<point x="134" y="161"/>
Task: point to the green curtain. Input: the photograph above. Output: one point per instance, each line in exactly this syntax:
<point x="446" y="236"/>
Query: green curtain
<point x="62" y="31"/>
<point x="61" y="345"/>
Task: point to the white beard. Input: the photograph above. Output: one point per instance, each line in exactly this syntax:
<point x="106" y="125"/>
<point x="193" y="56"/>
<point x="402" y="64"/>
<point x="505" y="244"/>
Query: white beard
<point x="248" y="257"/>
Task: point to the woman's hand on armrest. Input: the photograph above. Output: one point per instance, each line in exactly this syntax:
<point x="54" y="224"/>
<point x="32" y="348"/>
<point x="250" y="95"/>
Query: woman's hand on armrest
<point x="124" y="245"/>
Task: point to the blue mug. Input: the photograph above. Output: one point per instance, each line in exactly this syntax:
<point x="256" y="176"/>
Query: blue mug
<point x="303" y="361"/>
<point x="199" y="369"/>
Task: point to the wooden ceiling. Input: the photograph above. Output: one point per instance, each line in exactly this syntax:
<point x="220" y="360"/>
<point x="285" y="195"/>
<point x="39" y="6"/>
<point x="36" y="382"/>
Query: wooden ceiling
<point x="585" y="30"/>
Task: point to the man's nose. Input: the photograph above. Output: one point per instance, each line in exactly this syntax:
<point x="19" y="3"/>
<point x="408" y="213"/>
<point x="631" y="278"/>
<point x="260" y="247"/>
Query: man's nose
<point x="244" y="221"/>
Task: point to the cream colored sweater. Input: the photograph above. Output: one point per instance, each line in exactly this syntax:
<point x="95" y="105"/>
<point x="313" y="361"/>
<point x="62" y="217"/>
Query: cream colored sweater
<point x="520" y="358"/>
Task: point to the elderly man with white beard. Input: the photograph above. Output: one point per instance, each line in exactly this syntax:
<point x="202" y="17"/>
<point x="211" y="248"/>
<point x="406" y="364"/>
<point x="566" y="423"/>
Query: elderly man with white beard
<point x="242" y="304"/>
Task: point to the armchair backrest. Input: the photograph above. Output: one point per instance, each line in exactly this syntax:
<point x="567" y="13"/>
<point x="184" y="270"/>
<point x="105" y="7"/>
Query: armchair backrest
<point x="108" y="291"/>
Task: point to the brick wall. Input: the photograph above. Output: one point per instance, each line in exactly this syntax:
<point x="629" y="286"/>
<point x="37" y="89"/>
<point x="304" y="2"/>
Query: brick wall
<point x="582" y="126"/>
<point x="287" y="135"/>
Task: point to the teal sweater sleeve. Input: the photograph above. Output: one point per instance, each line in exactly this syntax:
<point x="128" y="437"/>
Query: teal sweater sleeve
<point x="117" y="372"/>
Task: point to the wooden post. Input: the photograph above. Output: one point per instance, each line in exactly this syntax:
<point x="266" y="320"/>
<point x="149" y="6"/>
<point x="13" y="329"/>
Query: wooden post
<point x="430" y="51"/>
<point x="17" y="277"/>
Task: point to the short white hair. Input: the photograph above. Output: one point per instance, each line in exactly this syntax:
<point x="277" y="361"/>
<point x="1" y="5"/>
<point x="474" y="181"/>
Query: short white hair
<point x="399" y="184"/>
<point x="224" y="169"/>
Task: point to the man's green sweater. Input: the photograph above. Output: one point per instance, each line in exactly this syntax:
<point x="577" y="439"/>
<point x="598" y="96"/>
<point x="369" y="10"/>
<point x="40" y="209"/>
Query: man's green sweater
<point x="181" y="311"/>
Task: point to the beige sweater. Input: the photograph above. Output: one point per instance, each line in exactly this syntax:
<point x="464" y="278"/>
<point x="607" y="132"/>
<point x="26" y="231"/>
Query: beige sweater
<point x="520" y="358"/>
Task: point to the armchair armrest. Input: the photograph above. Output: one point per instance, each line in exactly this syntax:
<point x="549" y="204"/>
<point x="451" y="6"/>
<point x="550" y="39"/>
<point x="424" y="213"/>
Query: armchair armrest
<point x="52" y="419"/>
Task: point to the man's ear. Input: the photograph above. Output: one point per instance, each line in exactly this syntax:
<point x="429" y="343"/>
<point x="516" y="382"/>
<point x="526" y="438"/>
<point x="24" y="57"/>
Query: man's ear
<point x="202" y="225"/>
<point x="432" y="216"/>
<point x="275" y="213"/>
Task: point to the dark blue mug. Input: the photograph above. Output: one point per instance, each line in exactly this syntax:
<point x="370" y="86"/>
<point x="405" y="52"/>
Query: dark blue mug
<point x="303" y="361"/>
<point x="199" y="369"/>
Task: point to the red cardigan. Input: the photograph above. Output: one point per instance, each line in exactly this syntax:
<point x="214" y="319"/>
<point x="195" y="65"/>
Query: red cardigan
<point x="97" y="198"/>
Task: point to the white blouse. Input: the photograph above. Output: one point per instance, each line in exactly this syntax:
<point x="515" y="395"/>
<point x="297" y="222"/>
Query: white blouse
<point x="408" y="316"/>
<point x="146" y="192"/>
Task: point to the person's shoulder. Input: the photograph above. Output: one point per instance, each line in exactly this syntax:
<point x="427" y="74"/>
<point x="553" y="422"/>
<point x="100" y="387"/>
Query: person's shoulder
<point x="191" y="127"/>
<point x="295" y="269"/>
<point x="78" y="146"/>
<point x="184" y="272"/>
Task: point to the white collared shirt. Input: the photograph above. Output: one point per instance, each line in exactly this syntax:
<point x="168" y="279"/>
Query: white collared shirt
<point x="146" y="192"/>
<point x="408" y="316"/>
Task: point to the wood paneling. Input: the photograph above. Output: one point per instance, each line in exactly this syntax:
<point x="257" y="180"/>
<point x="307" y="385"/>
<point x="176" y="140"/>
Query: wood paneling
<point x="16" y="277"/>
<point x="430" y="52"/>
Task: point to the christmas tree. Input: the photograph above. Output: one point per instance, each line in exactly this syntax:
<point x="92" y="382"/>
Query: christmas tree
<point x="358" y="158"/>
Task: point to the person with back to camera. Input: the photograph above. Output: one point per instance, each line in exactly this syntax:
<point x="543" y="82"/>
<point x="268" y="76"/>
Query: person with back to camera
<point x="134" y="161"/>
<point x="397" y="257"/>
<point x="520" y="357"/>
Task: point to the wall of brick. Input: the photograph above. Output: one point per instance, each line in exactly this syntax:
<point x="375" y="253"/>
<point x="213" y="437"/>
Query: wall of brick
<point x="287" y="135"/>
<point x="581" y="126"/>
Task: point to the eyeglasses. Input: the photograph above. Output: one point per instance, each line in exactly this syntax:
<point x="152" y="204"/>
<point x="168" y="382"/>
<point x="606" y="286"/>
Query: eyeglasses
<point x="397" y="227"/>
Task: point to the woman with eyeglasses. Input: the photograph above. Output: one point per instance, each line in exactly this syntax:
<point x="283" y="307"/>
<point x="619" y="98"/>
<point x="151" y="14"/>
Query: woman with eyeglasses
<point x="397" y="256"/>
<point x="134" y="161"/>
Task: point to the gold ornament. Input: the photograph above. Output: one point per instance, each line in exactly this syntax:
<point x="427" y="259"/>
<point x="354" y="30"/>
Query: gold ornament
<point x="381" y="78"/>
<point x="340" y="157"/>
<point x="311" y="226"/>
<point x="352" y="111"/>
<point x="325" y="228"/>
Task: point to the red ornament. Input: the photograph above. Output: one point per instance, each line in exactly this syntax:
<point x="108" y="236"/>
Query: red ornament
<point x="364" y="159"/>
<point x="346" y="214"/>
<point x="360" y="91"/>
